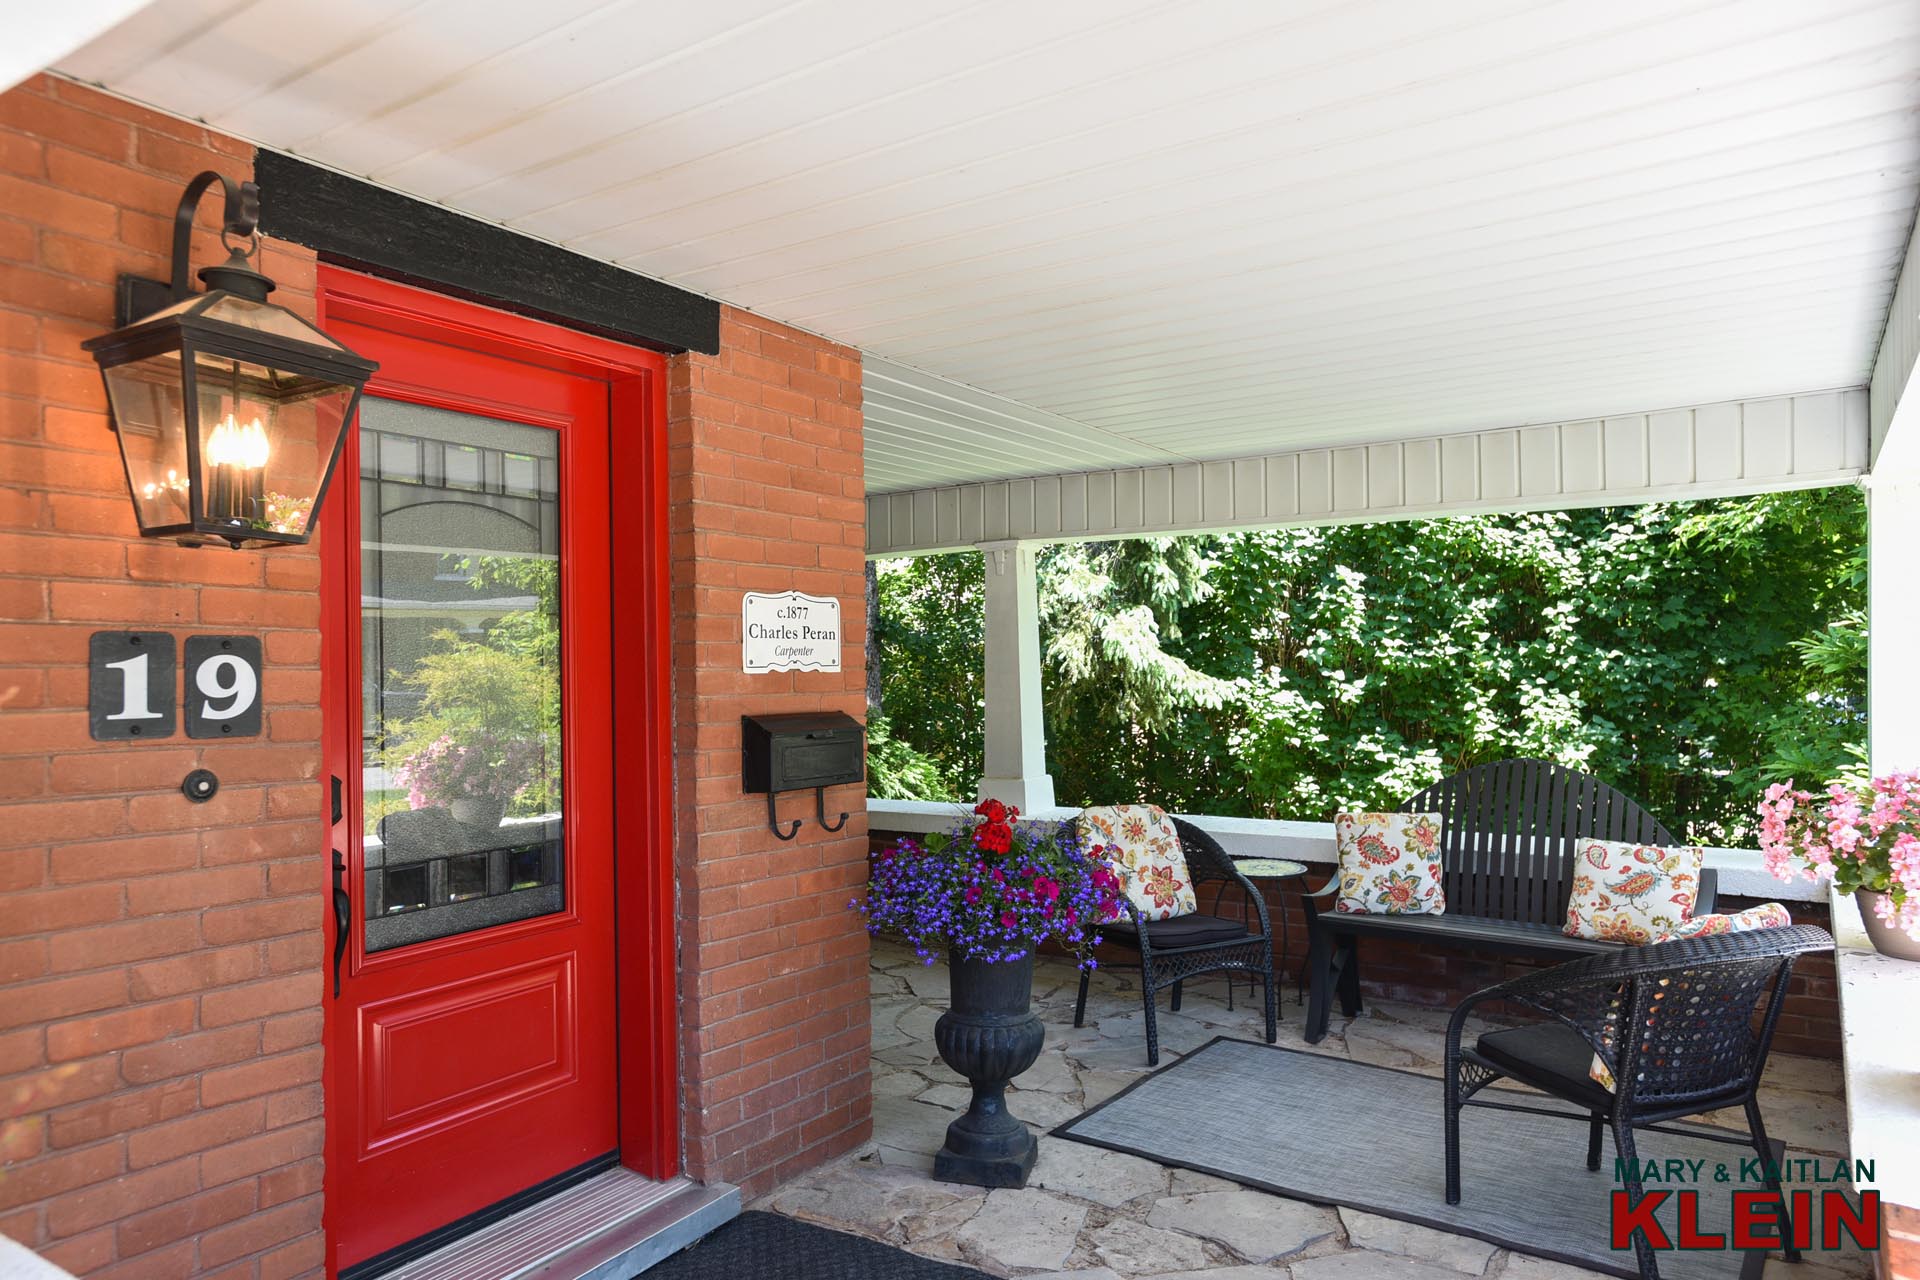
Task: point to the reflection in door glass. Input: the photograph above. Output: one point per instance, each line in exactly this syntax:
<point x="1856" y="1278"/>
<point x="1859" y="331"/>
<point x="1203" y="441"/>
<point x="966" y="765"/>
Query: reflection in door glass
<point x="460" y="671"/>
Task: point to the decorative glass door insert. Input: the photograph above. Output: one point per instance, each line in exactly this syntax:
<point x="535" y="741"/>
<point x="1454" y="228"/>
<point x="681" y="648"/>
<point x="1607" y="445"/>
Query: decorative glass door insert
<point x="460" y="671"/>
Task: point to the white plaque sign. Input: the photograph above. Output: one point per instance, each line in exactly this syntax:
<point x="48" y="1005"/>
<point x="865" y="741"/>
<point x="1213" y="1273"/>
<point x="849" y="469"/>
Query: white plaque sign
<point x="789" y="631"/>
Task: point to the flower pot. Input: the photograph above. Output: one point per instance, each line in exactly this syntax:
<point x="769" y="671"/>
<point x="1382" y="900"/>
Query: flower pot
<point x="481" y="812"/>
<point x="1887" y="939"/>
<point x="989" y="1035"/>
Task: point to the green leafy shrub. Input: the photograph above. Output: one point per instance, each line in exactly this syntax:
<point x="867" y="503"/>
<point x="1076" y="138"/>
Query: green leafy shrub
<point x="1689" y="653"/>
<point x="897" y="770"/>
<point x="489" y="711"/>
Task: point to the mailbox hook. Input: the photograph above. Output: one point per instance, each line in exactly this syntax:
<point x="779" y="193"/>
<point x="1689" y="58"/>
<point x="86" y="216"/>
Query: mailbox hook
<point x="773" y="822"/>
<point x="820" y="808"/>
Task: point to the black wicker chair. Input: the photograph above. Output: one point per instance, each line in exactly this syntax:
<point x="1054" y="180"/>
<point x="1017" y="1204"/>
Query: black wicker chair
<point x="1698" y="1047"/>
<point x="1172" y="951"/>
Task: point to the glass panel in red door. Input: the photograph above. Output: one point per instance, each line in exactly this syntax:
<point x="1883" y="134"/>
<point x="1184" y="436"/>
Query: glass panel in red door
<point x="461" y="701"/>
<point x="472" y="1044"/>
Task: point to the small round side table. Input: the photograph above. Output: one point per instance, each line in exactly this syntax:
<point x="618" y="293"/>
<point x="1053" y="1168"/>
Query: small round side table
<point x="1256" y="870"/>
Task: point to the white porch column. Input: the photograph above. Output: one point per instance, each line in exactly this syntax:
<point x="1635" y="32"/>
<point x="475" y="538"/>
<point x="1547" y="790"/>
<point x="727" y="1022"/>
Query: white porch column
<point x="1893" y="621"/>
<point x="1016" y="737"/>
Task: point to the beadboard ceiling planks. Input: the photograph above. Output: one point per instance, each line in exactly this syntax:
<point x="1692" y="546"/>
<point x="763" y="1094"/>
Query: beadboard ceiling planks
<point x="1092" y="234"/>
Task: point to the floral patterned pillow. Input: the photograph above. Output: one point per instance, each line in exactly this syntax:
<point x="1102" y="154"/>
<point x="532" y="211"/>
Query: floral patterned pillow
<point x="1389" y="863"/>
<point x="1632" y="893"/>
<point x="1768" y="915"/>
<point x="1149" y="859"/>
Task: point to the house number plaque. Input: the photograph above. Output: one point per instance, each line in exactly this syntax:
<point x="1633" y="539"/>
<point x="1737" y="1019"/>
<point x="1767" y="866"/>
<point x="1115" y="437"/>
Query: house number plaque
<point x="789" y="631"/>
<point x="130" y="686"/>
<point x="223" y="686"/>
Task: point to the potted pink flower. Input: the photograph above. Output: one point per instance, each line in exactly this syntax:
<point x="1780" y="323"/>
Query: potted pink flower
<point x="1862" y="839"/>
<point x="475" y="780"/>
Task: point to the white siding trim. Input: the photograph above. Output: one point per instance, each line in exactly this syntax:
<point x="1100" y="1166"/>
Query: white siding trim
<point x="1899" y="347"/>
<point x="1707" y="451"/>
<point x="1743" y="872"/>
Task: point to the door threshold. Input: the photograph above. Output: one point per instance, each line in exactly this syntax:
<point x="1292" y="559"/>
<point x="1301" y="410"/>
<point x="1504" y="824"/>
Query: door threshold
<point x="610" y="1227"/>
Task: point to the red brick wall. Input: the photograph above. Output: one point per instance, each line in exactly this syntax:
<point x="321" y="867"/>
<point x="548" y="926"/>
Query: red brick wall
<point x="1809" y="1023"/>
<point x="160" y="1014"/>
<point x="1899" y="1257"/>
<point x="767" y="495"/>
<point x="160" y="962"/>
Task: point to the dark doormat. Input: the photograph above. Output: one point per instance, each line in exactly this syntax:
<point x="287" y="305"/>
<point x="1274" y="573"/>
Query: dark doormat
<point x="1333" y="1131"/>
<point x="767" y="1246"/>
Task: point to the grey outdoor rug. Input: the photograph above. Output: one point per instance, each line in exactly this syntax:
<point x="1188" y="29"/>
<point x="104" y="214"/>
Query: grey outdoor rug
<point x="1338" y="1132"/>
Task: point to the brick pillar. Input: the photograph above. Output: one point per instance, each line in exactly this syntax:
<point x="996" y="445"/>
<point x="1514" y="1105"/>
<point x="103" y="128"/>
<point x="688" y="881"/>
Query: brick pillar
<point x="1899" y="1257"/>
<point x="767" y="495"/>
<point x="160" y="979"/>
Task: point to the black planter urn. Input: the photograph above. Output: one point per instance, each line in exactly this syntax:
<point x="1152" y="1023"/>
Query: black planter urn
<point x="989" y="1034"/>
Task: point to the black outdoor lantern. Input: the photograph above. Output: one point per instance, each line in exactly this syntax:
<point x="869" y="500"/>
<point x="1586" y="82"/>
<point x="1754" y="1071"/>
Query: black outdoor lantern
<point x="230" y="410"/>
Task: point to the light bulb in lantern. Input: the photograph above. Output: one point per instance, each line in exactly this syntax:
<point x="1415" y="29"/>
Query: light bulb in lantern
<point x="174" y="486"/>
<point x="220" y="444"/>
<point x="236" y="458"/>
<point x="253" y="445"/>
<point x="232" y="445"/>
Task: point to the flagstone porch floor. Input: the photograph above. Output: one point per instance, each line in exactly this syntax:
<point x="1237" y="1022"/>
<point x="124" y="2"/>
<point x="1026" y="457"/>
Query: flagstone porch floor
<point x="1099" y="1215"/>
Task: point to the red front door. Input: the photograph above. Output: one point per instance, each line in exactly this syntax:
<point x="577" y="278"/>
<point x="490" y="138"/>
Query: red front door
<point x="471" y="1046"/>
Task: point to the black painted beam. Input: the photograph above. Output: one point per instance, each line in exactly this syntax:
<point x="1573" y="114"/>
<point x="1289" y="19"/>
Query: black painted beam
<point x="355" y="223"/>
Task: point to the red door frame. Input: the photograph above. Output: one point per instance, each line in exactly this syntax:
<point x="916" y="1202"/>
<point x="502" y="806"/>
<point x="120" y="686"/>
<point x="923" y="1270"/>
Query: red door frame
<point x="640" y="618"/>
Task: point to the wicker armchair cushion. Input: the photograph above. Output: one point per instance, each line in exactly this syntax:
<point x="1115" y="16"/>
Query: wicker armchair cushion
<point x="1389" y="864"/>
<point x="1181" y="931"/>
<point x="1152" y="865"/>
<point x="1633" y="893"/>
<point x="1550" y="1056"/>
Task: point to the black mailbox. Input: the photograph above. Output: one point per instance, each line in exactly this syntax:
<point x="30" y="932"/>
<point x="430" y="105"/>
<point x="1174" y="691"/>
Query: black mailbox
<point x="802" y="751"/>
<point x="808" y="750"/>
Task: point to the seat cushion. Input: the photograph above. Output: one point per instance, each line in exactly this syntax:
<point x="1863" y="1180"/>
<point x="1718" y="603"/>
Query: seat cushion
<point x="1181" y="931"/>
<point x="1550" y="1056"/>
<point x="1147" y="855"/>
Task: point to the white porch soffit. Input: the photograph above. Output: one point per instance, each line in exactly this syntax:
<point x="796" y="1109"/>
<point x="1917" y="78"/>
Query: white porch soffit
<point x="1093" y="234"/>
<point x="39" y="34"/>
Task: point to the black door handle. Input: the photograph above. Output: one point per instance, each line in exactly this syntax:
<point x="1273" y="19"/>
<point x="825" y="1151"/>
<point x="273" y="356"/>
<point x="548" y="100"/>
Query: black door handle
<point x="342" y="911"/>
<point x="339" y="808"/>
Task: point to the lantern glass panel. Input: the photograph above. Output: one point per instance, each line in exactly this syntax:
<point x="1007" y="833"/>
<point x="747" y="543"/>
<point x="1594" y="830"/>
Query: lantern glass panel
<point x="244" y="313"/>
<point x="266" y="437"/>
<point x="149" y="412"/>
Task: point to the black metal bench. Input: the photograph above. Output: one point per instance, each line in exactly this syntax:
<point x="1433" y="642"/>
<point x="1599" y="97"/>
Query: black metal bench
<point x="1507" y="838"/>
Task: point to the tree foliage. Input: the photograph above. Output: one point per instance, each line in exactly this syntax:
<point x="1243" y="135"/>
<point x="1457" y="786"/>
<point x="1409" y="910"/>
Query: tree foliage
<point x="897" y="770"/>
<point x="931" y="642"/>
<point x="1687" y="653"/>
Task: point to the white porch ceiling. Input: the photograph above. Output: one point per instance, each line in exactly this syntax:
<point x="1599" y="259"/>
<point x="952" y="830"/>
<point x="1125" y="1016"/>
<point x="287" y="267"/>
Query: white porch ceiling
<point x="1082" y="234"/>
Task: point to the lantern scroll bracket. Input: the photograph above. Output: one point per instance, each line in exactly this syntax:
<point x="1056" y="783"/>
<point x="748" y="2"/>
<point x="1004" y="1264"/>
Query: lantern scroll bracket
<point x="138" y="296"/>
<point x="241" y="218"/>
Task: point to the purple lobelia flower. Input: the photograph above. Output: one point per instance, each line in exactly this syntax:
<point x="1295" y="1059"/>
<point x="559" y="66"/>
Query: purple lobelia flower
<point x="993" y="889"/>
